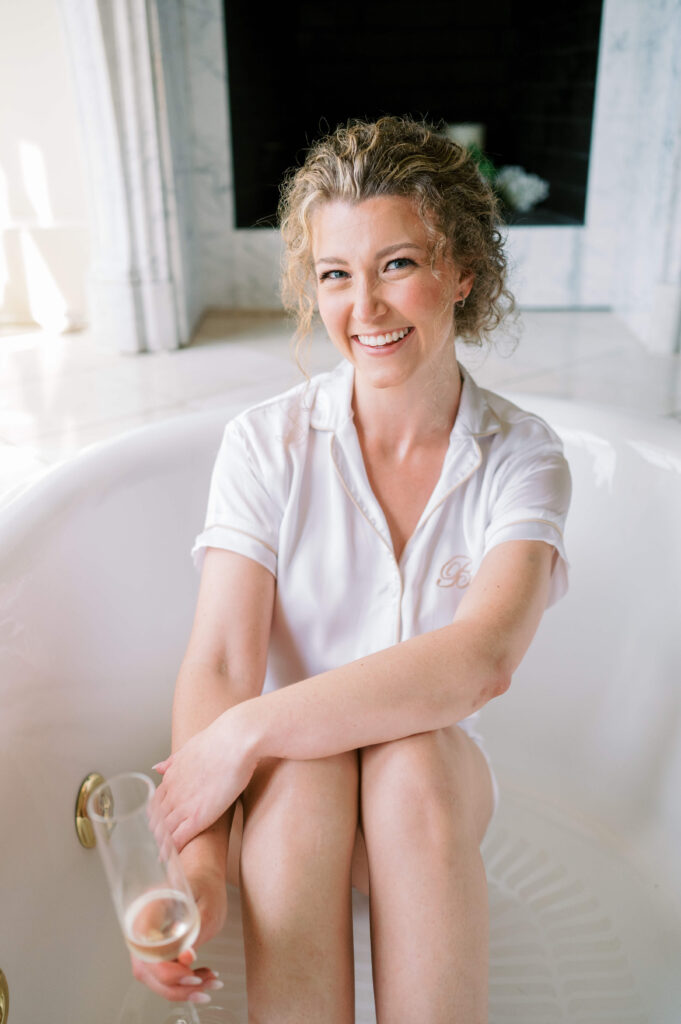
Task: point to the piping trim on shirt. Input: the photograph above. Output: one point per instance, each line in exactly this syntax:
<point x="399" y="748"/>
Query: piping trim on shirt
<point x="354" y="500"/>
<point x="485" y="433"/>
<point x="398" y="634"/>
<point x="389" y="547"/>
<point x="422" y="522"/>
<point x="458" y="484"/>
<point x="222" y="526"/>
<point x="546" y="522"/>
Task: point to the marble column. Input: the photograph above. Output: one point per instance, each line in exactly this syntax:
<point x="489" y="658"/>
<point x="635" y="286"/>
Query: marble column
<point x="636" y="172"/>
<point x="138" y="280"/>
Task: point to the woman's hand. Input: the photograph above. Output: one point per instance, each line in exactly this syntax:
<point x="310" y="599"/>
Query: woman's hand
<point x="175" y="979"/>
<point x="204" y="777"/>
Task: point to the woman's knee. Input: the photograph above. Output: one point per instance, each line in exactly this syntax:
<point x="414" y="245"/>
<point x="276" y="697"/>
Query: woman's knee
<point x="301" y="808"/>
<point x="412" y="766"/>
<point x="417" y="785"/>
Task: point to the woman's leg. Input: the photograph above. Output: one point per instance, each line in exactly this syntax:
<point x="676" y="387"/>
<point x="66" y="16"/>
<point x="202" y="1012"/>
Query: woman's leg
<point x="300" y="822"/>
<point x="426" y="801"/>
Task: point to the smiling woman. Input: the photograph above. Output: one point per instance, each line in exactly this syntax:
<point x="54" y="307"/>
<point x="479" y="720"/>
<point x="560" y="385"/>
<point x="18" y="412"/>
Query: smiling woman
<point x="458" y="213"/>
<point x="332" y="684"/>
<point x="389" y="313"/>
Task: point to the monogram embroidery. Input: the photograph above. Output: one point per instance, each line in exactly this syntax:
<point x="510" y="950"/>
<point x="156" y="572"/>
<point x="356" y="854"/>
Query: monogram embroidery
<point x="456" y="572"/>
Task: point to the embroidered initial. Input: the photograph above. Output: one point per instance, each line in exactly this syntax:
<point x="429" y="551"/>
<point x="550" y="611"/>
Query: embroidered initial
<point x="455" y="573"/>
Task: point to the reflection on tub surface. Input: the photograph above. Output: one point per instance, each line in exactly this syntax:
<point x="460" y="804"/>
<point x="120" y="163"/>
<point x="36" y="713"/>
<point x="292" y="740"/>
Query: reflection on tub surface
<point x="97" y="594"/>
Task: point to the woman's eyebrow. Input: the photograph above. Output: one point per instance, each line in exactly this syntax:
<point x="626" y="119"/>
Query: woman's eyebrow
<point x="394" y="248"/>
<point x="331" y="259"/>
<point x="379" y="255"/>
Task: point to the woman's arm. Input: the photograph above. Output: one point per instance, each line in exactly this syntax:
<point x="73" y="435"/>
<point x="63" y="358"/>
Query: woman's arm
<point x="225" y="659"/>
<point x="223" y="666"/>
<point x="419" y="685"/>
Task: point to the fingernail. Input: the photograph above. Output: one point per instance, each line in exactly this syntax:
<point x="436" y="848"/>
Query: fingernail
<point x="191" y="979"/>
<point x="216" y="974"/>
<point x="199" y="997"/>
<point x="214" y="985"/>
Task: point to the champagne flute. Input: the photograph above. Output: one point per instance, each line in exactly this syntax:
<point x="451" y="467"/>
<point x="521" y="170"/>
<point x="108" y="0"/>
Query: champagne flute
<point x="154" y="903"/>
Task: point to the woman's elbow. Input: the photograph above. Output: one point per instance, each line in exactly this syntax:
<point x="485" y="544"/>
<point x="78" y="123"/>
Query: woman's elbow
<point x="496" y="683"/>
<point x="502" y="682"/>
<point x="498" y="672"/>
<point x="504" y="664"/>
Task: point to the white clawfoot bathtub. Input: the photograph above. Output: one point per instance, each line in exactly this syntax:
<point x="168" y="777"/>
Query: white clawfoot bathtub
<point x="97" y="594"/>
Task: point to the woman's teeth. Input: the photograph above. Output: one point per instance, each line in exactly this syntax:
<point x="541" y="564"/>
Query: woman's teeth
<point x="377" y="340"/>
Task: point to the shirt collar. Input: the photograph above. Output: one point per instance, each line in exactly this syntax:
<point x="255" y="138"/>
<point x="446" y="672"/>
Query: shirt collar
<point x="475" y="415"/>
<point x="332" y="404"/>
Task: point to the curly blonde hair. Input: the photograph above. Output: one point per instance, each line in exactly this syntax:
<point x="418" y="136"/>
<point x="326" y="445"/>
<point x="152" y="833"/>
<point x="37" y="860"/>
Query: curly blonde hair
<point x="398" y="156"/>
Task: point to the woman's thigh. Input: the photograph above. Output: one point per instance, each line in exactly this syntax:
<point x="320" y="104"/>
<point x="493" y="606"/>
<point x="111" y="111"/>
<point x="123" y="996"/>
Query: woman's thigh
<point x="448" y="754"/>
<point x="295" y="802"/>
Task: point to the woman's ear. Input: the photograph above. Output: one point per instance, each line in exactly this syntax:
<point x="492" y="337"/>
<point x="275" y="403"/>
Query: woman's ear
<point x="466" y="281"/>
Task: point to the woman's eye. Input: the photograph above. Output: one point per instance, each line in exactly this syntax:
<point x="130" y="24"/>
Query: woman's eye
<point x="400" y="263"/>
<point x="333" y="275"/>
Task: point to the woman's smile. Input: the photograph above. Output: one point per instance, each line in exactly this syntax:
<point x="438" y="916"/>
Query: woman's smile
<point x="379" y="342"/>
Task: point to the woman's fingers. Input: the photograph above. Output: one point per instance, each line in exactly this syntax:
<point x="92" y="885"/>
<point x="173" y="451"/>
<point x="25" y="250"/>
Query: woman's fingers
<point x="187" y="957"/>
<point x="168" y="823"/>
<point x="201" y="780"/>
<point x="159" y="826"/>
<point x="184" y="833"/>
<point x="184" y="812"/>
<point x="176" y="981"/>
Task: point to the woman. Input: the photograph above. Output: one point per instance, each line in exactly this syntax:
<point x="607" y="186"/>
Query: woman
<point x="380" y="545"/>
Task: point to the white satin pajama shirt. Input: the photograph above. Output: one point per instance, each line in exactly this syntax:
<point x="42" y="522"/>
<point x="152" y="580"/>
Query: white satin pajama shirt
<point x="290" y="490"/>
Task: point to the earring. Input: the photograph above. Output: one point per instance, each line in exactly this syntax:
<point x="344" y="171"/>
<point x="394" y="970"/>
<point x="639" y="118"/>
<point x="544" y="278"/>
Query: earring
<point x="461" y="302"/>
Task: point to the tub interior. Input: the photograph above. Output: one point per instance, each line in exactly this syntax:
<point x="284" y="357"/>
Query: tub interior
<point x="97" y="594"/>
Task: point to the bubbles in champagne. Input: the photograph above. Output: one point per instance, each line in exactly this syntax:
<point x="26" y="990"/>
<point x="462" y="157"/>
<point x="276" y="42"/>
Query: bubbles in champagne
<point x="160" y="924"/>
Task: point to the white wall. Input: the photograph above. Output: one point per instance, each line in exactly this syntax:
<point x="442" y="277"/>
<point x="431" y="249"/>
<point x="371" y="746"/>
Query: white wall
<point x="44" y="217"/>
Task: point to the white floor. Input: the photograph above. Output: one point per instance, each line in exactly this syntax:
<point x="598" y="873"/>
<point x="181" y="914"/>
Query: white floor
<point x="59" y="394"/>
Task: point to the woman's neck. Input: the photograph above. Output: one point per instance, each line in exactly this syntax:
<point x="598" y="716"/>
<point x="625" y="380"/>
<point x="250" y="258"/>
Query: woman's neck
<point x="419" y="412"/>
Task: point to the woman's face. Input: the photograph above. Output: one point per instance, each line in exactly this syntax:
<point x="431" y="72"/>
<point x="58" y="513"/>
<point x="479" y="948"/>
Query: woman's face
<point x="382" y="305"/>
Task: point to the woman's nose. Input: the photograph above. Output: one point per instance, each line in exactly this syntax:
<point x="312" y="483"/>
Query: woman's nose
<point x="368" y="300"/>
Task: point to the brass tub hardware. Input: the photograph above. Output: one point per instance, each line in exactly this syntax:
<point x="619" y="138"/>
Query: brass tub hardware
<point x="4" y="998"/>
<point x="84" y="828"/>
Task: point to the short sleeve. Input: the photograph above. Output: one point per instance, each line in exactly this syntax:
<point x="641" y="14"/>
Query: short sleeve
<point x="241" y="515"/>
<point x="532" y="498"/>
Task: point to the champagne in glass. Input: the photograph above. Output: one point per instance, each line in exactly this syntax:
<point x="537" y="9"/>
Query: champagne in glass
<point x="154" y="903"/>
<point x="160" y="924"/>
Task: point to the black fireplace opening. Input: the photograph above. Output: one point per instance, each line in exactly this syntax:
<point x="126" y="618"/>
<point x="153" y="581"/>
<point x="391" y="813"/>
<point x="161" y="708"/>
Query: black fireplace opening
<point x="520" y="73"/>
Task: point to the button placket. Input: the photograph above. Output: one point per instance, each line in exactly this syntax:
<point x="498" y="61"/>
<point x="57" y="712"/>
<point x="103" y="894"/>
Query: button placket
<point x="379" y="525"/>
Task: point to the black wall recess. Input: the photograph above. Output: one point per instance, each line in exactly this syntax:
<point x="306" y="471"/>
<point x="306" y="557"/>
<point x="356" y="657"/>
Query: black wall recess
<point x="524" y="69"/>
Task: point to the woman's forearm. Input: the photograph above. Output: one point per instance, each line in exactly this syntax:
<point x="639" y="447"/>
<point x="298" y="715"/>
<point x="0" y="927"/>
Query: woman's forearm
<point x="206" y="853"/>
<point x="422" y="684"/>
<point x="419" y="685"/>
<point x="202" y="694"/>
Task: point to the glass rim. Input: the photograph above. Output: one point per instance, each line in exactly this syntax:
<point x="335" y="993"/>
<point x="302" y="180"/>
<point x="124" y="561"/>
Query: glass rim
<point x="102" y="819"/>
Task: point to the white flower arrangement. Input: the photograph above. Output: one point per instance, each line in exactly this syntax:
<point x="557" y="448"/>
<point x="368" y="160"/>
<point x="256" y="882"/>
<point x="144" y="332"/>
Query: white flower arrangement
<point x="520" y="190"/>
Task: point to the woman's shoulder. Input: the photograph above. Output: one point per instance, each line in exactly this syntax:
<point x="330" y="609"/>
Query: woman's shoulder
<point x="520" y="427"/>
